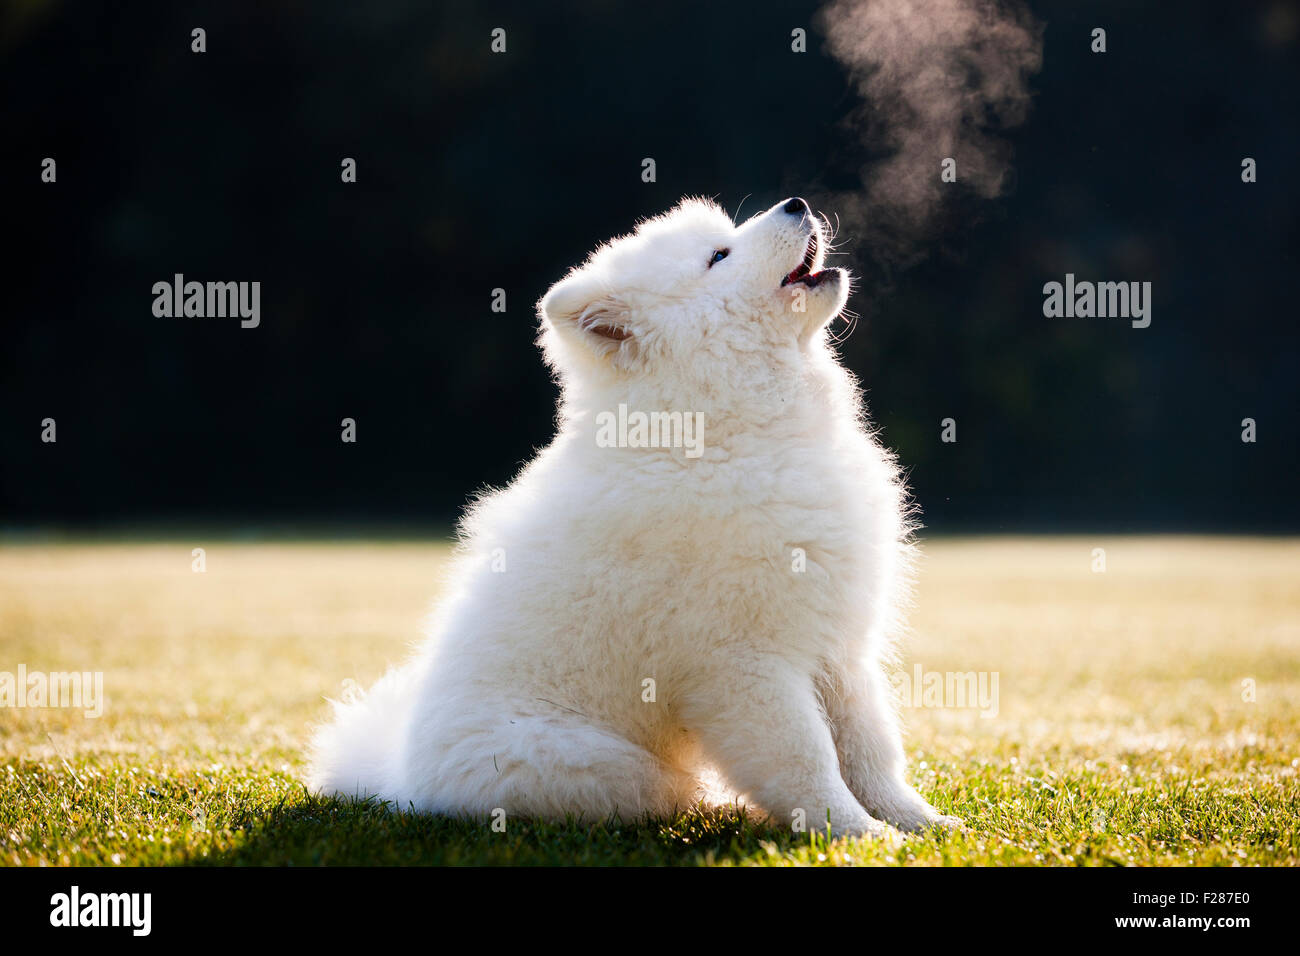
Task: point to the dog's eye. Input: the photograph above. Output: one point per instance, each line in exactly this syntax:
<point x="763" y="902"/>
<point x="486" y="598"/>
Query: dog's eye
<point x="718" y="256"/>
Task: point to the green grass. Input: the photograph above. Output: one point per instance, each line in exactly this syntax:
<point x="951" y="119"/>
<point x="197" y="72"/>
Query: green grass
<point x="1123" y="735"/>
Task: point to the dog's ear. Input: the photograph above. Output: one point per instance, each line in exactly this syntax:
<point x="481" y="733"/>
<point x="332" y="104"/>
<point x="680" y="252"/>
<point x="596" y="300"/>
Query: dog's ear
<point x="582" y="307"/>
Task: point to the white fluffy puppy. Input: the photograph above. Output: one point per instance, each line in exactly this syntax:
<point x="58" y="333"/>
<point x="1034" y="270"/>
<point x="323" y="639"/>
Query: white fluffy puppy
<point x="636" y="610"/>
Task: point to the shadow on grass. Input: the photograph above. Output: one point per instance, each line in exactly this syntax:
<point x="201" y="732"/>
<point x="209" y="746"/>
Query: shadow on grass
<point x="321" y="832"/>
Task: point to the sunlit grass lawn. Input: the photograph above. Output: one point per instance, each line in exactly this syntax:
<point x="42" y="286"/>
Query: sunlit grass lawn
<point x="1126" y="732"/>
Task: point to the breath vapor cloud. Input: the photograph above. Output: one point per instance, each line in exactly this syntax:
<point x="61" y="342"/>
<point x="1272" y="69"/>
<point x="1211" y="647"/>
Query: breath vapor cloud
<point x="939" y="79"/>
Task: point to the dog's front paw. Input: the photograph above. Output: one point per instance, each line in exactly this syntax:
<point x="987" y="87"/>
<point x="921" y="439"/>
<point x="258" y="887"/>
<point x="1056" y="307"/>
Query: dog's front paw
<point x="942" y="821"/>
<point x="876" y="830"/>
<point x="860" y="825"/>
<point x="908" y="810"/>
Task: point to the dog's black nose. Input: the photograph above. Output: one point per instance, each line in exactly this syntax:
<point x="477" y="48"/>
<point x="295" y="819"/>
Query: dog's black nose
<point x="796" y="207"/>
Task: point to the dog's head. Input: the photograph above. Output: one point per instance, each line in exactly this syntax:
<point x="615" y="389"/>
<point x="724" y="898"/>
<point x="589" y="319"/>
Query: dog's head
<point x="691" y="295"/>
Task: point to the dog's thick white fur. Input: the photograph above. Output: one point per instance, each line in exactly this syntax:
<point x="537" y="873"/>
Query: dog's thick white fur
<point x="622" y="621"/>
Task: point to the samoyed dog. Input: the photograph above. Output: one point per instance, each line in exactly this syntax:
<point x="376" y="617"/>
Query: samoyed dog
<point x="698" y="579"/>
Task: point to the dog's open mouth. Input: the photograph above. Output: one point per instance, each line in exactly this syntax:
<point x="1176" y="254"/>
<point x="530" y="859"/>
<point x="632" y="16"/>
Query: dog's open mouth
<point x="803" y="271"/>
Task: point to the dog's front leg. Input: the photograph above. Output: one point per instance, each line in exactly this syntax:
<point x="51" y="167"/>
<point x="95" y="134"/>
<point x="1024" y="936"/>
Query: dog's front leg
<point x="759" y="722"/>
<point x="870" y="747"/>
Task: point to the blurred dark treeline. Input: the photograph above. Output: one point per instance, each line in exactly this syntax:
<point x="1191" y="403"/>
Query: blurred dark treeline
<point x="478" y="171"/>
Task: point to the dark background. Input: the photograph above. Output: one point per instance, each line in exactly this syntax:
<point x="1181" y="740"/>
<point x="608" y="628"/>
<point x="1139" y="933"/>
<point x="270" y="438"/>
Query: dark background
<point x="478" y="170"/>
